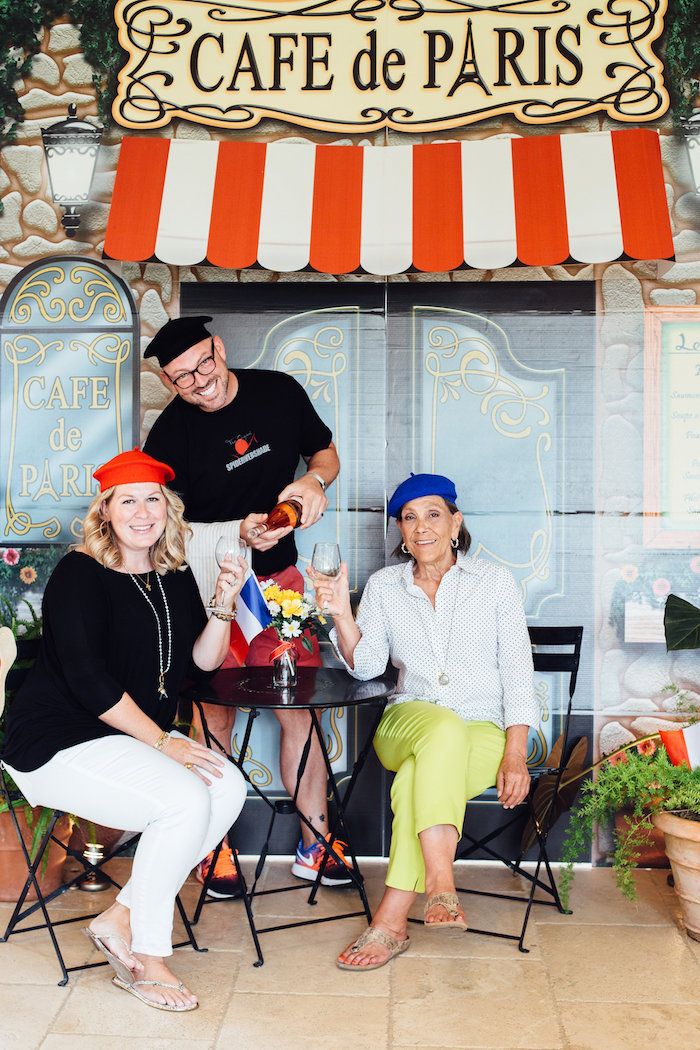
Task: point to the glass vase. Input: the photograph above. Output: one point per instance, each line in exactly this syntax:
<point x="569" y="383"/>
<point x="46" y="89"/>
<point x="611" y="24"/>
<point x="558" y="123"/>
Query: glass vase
<point x="284" y="670"/>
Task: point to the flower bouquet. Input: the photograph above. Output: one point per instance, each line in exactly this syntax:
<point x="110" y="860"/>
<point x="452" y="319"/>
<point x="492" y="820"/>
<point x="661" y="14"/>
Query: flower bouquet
<point x="293" y="616"/>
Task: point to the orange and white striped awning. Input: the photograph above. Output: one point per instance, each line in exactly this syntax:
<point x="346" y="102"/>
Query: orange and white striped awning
<point x="538" y="200"/>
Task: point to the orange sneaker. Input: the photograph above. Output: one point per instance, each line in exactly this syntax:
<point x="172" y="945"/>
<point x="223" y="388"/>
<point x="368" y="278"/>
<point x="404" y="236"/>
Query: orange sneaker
<point x="308" y="861"/>
<point x="224" y="882"/>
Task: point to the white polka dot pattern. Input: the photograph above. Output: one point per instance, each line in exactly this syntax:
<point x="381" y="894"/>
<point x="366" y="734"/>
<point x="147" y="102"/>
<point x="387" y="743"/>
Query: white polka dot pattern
<point x="483" y="649"/>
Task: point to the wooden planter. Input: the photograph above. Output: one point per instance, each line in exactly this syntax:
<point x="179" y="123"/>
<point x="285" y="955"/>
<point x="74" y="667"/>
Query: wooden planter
<point x="683" y="850"/>
<point x="13" y="868"/>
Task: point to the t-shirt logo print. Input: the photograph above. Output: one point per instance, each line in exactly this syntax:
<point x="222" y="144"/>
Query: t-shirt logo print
<point x="244" y="446"/>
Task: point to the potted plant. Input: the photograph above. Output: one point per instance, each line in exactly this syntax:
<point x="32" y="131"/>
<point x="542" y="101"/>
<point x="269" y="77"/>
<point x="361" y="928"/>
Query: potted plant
<point x="642" y="780"/>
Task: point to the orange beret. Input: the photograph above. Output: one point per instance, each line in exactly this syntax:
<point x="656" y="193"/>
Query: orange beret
<point x="133" y="466"/>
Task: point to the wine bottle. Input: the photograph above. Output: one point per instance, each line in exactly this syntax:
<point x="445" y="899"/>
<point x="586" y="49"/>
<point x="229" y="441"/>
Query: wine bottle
<point x="280" y="517"/>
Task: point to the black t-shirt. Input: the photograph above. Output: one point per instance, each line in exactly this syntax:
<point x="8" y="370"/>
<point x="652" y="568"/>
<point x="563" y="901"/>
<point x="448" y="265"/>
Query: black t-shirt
<point x="236" y="461"/>
<point x="99" y="641"/>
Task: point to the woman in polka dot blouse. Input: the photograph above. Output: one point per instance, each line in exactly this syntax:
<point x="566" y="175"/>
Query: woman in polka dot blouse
<point x="458" y="721"/>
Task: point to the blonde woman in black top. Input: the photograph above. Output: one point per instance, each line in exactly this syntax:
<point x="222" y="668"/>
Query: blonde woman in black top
<point x="90" y="732"/>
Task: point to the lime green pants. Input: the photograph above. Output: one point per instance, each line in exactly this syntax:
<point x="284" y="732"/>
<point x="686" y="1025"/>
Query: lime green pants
<point x="440" y="762"/>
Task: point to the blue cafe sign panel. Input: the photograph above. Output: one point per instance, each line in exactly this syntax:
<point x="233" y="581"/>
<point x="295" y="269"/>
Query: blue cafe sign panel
<point x="68" y="333"/>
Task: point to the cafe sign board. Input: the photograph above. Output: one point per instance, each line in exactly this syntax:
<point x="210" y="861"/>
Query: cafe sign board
<point x="409" y="65"/>
<point x="68" y="365"/>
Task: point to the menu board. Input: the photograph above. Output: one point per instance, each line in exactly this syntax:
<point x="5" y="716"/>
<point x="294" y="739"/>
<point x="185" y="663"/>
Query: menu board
<point x="672" y="429"/>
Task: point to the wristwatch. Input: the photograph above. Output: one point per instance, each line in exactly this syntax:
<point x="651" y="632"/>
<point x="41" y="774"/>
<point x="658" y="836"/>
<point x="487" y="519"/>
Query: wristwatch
<point x="319" y="479"/>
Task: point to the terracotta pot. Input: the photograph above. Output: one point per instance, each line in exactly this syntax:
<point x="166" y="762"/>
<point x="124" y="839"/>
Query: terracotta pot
<point x="13" y="869"/>
<point x="683" y="850"/>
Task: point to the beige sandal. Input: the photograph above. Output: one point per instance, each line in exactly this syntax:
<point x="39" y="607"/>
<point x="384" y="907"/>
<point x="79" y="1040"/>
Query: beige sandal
<point x="122" y="970"/>
<point x="372" y="934"/>
<point x="450" y="902"/>
<point x="132" y="987"/>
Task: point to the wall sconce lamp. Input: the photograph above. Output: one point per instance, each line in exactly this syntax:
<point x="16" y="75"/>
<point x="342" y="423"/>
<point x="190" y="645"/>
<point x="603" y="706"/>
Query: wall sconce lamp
<point x="71" y="154"/>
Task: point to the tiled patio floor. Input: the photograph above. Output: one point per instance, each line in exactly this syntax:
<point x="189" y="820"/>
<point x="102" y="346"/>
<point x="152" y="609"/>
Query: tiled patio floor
<point x="613" y="975"/>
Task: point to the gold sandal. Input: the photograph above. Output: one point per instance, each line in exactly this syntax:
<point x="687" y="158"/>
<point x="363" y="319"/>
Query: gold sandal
<point x="133" y="988"/>
<point x="370" y="935"/>
<point x="450" y="902"/>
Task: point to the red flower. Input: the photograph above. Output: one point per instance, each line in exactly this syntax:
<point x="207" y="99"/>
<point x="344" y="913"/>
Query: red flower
<point x="10" y="556"/>
<point x="646" y="747"/>
<point x="617" y="758"/>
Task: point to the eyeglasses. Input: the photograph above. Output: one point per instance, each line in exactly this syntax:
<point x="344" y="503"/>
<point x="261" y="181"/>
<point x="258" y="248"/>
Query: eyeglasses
<point x="186" y="379"/>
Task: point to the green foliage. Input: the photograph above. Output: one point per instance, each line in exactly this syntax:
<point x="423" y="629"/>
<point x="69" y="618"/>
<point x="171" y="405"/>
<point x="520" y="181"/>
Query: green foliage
<point x="25" y="571"/>
<point x="21" y="627"/>
<point x="100" y="44"/>
<point x="682" y="55"/>
<point x="20" y="23"/>
<point x="638" y="785"/>
<point x="681" y="624"/>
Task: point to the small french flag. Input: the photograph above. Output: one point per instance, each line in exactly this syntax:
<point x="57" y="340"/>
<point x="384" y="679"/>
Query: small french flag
<point x="682" y="745"/>
<point x="252" y="617"/>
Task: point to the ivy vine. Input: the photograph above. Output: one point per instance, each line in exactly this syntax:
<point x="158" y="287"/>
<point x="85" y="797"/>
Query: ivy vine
<point x="682" y="56"/>
<point x="21" y="22"/>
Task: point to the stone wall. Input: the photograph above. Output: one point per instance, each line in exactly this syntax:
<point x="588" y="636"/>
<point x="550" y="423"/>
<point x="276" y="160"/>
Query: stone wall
<point x="630" y="683"/>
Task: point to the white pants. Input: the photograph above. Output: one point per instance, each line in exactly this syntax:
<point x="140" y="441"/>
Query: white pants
<point x="122" y="783"/>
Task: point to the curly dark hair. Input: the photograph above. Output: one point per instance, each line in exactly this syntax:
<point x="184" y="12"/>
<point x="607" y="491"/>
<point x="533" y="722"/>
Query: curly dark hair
<point x="464" y="540"/>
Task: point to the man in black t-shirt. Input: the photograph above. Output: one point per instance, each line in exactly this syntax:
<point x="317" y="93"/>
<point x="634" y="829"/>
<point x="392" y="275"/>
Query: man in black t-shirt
<point x="234" y="439"/>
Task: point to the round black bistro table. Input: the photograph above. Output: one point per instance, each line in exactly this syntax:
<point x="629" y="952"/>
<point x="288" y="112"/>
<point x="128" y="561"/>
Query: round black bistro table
<point x="317" y="689"/>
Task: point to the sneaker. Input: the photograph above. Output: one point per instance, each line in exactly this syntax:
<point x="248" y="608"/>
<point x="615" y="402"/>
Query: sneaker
<point x="224" y="881"/>
<point x="308" y="861"/>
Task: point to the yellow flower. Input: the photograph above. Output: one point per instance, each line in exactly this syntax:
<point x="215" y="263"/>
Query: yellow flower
<point x="291" y="607"/>
<point x="272" y="594"/>
<point x="289" y="596"/>
<point x="27" y="574"/>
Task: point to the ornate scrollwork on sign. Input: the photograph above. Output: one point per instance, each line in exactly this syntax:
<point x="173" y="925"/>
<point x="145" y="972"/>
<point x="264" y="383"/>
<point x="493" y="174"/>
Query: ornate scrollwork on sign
<point x="259" y="773"/>
<point x="45" y="293"/>
<point x="513" y="412"/>
<point x="68" y="333"/>
<point x="362" y="65"/>
<point x="300" y="357"/>
<point x="469" y="357"/>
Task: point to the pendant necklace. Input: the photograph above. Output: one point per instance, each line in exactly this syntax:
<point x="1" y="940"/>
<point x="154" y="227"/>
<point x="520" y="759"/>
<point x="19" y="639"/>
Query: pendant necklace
<point x="443" y="677"/>
<point x="162" y="668"/>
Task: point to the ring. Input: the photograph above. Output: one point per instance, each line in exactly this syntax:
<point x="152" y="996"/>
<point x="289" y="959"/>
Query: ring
<point x="188" y="765"/>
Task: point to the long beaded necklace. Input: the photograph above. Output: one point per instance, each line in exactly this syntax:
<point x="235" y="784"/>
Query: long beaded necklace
<point x="162" y="668"/>
<point x="443" y="677"/>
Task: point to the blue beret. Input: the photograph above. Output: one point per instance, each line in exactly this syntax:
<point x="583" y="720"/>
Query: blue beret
<point x="418" y="485"/>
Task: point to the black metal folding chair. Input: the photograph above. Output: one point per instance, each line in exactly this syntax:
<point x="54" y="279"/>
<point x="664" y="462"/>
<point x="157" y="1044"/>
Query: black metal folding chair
<point x="23" y="911"/>
<point x="542" y="809"/>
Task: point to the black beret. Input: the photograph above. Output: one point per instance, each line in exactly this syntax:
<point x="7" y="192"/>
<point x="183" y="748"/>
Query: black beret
<point x="176" y="336"/>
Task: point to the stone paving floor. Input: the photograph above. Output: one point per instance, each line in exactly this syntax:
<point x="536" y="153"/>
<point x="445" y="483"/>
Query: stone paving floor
<point x="613" y="975"/>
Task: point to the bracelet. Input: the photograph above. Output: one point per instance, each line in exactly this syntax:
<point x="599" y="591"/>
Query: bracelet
<point x="226" y="617"/>
<point x="319" y="479"/>
<point x="162" y="741"/>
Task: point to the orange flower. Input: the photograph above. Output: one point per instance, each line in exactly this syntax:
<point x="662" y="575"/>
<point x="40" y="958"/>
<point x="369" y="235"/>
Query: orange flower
<point x="617" y="758"/>
<point x="27" y="575"/>
<point x="646" y="747"/>
<point x="629" y="573"/>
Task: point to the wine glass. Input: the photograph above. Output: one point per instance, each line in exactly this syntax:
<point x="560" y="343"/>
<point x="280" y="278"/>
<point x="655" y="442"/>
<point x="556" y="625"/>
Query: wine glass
<point x="326" y="558"/>
<point x="227" y="550"/>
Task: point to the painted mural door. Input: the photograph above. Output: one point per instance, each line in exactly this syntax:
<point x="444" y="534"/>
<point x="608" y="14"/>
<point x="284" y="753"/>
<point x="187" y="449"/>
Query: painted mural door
<point x="491" y="384"/>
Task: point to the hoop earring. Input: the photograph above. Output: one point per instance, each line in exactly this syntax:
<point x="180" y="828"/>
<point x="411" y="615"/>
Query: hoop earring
<point x="404" y="548"/>
<point x="454" y="543"/>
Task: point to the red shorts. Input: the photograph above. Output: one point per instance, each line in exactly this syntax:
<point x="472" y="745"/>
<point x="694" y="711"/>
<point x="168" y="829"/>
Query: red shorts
<point x="266" y="641"/>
